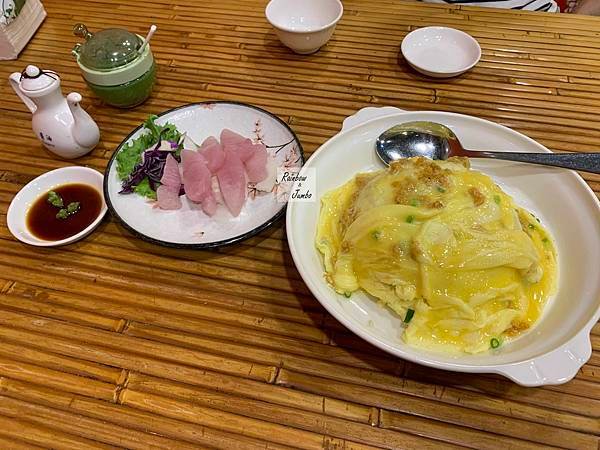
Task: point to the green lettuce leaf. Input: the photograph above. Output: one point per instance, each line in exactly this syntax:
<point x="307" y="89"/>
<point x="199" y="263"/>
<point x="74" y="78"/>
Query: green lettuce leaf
<point x="145" y="190"/>
<point x="131" y="154"/>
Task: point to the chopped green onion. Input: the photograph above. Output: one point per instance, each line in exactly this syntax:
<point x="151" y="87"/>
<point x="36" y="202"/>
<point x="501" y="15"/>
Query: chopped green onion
<point x="545" y="240"/>
<point x="347" y="294"/>
<point x="414" y="202"/>
<point x="494" y="343"/>
<point x="62" y="214"/>
<point x="376" y="234"/>
<point x="55" y="200"/>
<point x="73" y="207"/>
<point x="410" y="219"/>
<point x="441" y="189"/>
<point x="409" y="315"/>
<point x="531" y="226"/>
<point x="497" y="199"/>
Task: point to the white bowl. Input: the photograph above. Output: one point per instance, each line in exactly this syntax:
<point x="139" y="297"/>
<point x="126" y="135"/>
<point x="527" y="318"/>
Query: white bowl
<point x="304" y="25"/>
<point x="20" y="204"/>
<point x="440" y="52"/>
<point x="559" y="344"/>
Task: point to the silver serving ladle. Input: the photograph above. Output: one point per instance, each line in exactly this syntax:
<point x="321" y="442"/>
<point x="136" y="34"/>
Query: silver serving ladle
<point x="435" y="141"/>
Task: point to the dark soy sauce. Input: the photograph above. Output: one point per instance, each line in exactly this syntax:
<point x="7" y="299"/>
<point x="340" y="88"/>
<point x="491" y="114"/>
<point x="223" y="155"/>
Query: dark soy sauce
<point x="41" y="217"/>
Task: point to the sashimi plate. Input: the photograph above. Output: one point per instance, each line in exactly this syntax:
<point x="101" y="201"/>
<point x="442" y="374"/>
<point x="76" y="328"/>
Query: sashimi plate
<point x="189" y="227"/>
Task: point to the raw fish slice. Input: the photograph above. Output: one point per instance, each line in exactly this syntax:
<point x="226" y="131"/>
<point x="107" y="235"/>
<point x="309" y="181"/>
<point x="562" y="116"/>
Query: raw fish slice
<point x="197" y="180"/>
<point x="232" y="181"/>
<point x="171" y="176"/>
<point x="196" y="176"/>
<point x="167" y="194"/>
<point x="237" y="143"/>
<point x="209" y="205"/>
<point x="168" y="198"/>
<point x="212" y="151"/>
<point x="217" y="191"/>
<point x="256" y="165"/>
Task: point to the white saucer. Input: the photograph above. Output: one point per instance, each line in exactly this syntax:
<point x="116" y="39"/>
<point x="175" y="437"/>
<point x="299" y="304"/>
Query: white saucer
<point x="440" y="52"/>
<point x="20" y="204"/>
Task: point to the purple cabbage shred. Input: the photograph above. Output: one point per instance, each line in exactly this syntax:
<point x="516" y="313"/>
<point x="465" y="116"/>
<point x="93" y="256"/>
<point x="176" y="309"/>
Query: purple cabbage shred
<point x="152" y="166"/>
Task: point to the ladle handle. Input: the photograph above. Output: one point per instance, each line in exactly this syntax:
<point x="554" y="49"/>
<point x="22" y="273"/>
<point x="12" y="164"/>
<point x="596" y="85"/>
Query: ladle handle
<point x="586" y="162"/>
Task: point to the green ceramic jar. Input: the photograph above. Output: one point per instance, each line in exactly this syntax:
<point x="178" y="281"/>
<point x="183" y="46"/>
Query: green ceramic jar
<point x="129" y="94"/>
<point x="116" y="66"/>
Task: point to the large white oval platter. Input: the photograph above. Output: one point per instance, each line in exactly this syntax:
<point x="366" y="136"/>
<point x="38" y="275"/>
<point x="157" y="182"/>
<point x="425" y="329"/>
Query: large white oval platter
<point x="559" y="344"/>
<point x="189" y="227"/>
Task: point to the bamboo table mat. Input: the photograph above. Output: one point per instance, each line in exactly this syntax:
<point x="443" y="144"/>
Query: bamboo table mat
<point x="113" y="342"/>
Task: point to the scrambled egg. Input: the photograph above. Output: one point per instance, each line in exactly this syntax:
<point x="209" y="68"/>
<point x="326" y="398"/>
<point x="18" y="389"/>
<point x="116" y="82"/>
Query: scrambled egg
<point x="443" y="247"/>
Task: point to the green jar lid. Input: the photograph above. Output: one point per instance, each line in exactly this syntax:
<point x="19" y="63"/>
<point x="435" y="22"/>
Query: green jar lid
<point x="107" y="49"/>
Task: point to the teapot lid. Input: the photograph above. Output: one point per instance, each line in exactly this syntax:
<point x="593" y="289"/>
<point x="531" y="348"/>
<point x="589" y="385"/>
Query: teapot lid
<point x="106" y="49"/>
<point x="35" y="79"/>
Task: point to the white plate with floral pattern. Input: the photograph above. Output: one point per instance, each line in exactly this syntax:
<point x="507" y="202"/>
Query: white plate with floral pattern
<point x="189" y="227"/>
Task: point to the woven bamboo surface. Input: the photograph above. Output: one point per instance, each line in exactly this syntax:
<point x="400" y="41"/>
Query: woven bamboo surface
<point x="113" y="342"/>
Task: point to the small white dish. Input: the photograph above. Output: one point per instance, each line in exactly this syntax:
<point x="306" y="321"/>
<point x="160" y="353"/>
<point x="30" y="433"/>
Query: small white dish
<point x="16" y="216"/>
<point x="559" y="344"/>
<point x="304" y="25"/>
<point x="440" y="52"/>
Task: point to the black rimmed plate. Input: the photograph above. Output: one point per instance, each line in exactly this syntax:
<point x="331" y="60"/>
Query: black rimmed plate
<point x="189" y="227"/>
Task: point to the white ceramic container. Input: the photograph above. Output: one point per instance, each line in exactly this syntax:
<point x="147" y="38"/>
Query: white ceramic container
<point x="16" y="216"/>
<point x="304" y="25"/>
<point x="440" y="52"/>
<point x="60" y="123"/>
<point x="559" y="344"/>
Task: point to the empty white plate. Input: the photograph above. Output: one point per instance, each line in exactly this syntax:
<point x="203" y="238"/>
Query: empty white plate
<point x="440" y="52"/>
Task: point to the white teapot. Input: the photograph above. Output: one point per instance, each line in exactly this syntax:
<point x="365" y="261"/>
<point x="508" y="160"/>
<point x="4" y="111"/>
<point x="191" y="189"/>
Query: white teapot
<point x="62" y="125"/>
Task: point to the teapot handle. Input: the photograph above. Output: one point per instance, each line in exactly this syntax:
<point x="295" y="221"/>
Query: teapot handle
<point x="15" y="79"/>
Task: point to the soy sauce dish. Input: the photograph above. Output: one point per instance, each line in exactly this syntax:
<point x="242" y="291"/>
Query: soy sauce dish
<point x="57" y="208"/>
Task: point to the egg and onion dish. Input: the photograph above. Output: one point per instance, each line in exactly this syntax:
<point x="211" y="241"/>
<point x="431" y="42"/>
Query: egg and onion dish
<point x="464" y="268"/>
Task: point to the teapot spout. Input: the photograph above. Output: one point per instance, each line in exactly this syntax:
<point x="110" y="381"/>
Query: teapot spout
<point x="84" y="130"/>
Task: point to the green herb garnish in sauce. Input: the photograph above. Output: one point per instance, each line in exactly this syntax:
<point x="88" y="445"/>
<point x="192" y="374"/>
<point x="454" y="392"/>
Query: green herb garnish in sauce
<point x="55" y="200"/>
<point x="494" y="343"/>
<point x="64" y="213"/>
<point x="73" y="207"/>
<point x="409" y="315"/>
